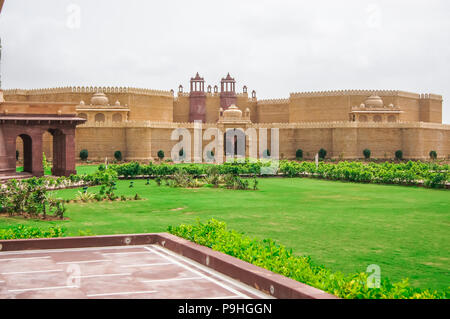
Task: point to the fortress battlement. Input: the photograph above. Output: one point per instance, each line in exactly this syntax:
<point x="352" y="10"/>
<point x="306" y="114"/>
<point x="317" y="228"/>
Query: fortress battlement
<point x="88" y="89"/>
<point x="274" y="101"/>
<point x="392" y="93"/>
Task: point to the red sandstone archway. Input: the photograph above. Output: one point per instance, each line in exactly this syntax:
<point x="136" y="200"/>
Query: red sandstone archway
<point x="27" y="152"/>
<point x="31" y="130"/>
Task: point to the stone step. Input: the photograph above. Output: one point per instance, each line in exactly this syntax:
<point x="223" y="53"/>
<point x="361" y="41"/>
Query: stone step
<point x="18" y="176"/>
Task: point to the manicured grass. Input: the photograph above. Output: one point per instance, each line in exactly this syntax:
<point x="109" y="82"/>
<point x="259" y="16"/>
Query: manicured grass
<point x="344" y="226"/>
<point x="87" y="169"/>
<point x="81" y="169"/>
<point x="20" y="169"/>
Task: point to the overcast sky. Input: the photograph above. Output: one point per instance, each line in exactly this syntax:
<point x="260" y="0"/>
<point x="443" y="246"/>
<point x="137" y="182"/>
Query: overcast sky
<point x="273" y="47"/>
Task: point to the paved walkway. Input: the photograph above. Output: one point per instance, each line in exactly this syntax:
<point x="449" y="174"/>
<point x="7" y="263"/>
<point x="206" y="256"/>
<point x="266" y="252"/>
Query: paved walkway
<point x="148" y="271"/>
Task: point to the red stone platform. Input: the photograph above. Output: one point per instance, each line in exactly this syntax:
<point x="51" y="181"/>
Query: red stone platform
<point x="158" y="266"/>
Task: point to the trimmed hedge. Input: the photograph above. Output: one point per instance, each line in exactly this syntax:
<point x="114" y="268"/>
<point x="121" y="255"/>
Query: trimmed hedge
<point x="410" y="173"/>
<point x="277" y="258"/>
<point x="27" y="232"/>
<point x="118" y="155"/>
<point x="322" y="153"/>
<point x="84" y="154"/>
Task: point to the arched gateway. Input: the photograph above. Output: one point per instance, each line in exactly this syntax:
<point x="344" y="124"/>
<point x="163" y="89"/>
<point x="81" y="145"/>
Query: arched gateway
<point x="29" y="121"/>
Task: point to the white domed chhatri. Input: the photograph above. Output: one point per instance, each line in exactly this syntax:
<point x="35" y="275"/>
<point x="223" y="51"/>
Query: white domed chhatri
<point x="232" y="112"/>
<point x="99" y="98"/>
<point x="374" y="101"/>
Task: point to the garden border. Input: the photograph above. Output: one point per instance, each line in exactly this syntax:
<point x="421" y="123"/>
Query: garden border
<point x="264" y="280"/>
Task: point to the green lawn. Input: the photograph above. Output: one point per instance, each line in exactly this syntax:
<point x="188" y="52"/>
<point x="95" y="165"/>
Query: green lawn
<point x="344" y="226"/>
<point x="81" y="169"/>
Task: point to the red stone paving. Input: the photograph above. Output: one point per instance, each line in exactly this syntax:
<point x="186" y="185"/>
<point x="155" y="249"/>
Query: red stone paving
<point x="147" y="271"/>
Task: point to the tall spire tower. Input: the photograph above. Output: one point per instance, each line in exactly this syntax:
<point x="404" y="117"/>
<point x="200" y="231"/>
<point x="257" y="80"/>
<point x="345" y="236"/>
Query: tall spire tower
<point x="197" y="99"/>
<point x="227" y="92"/>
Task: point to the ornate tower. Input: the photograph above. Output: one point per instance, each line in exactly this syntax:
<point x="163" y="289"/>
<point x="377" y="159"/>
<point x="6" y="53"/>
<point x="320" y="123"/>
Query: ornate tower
<point x="197" y="99"/>
<point x="227" y="92"/>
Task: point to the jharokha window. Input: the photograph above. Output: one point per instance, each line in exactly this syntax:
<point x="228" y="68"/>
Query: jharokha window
<point x="99" y="117"/>
<point x="117" y="117"/>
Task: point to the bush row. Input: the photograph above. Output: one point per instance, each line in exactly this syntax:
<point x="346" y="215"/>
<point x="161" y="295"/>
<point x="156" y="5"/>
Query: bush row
<point x="33" y="198"/>
<point x="277" y="258"/>
<point x="366" y="152"/>
<point x="410" y="173"/>
<point x="27" y="232"/>
<point x="133" y="169"/>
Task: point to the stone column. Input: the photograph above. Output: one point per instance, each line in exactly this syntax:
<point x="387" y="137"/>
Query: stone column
<point x="69" y="163"/>
<point x="36" y="153"/>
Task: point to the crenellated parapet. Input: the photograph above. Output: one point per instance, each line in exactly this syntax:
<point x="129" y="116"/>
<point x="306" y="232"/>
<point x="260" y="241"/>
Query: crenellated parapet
<point x="392" y="93"/>
<point x="346" y="124"/>
<point x="431" y="96"/>
<point x="88" y="89"/>
<point x="274" y="101"/>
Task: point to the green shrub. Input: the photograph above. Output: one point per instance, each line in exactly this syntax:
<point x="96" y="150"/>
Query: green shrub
<point x="235" y="182"/>
<point x="161" y="154"/>
<point x="433" y="155"/>
<point x="366" y="153"/>
<point x="299" y="154"/>
<point x="437" y="180"/>
<point x="398" y="155"/>
<point x="322" y="153"/>
<point x="27" y="232"/>
<point x="277" y="258"/>
<point x="118" y="155"/>
<point x="84" y="196"/>
<point x="84" y="154"/>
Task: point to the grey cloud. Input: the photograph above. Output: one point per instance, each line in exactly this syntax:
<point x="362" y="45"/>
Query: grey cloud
<point x="275" y="47"/>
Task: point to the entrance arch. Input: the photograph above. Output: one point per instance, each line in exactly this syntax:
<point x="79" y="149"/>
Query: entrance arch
<point x="235" y="143"/>
<point x="26" y="152"/>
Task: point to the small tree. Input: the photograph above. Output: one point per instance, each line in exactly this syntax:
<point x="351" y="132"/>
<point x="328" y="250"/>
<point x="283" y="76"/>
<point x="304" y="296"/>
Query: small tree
<point x="299" y="154"/>
<point x="161" y="154"/>
<point x="84" y="155"/>
<point x="433" y="155"/>
<point x="322" y="153"/>
<point x="366" y="153"/>
<point x="118" y="155"/>
<point x="398" y="155"/>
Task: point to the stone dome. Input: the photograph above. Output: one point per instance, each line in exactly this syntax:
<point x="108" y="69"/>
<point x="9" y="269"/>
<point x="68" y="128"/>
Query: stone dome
<point x="99" y="98"/>
<point x="232" y="112"/>
<point x="374" y="101"/>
